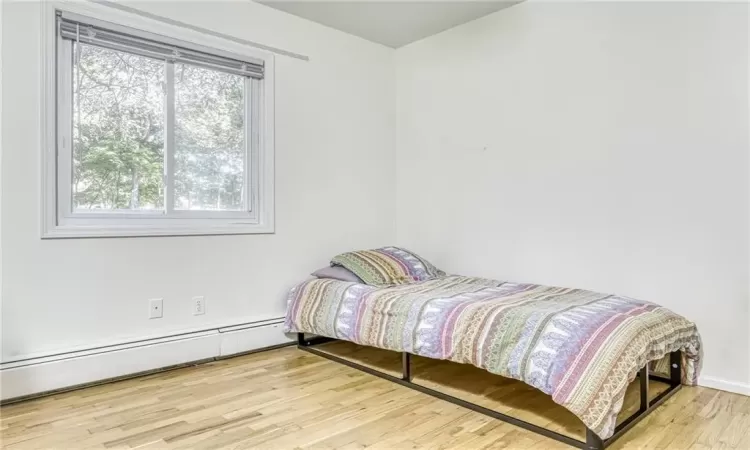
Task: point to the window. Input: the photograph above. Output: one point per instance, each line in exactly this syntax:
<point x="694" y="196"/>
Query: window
<point x="156" y="136"/>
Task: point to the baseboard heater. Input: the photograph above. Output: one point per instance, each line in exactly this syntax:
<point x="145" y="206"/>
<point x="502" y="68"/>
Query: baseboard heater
<point x="35" y="376"/>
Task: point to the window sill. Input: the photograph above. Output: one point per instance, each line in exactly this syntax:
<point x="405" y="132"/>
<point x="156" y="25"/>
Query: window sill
<point x="122" y="231"/>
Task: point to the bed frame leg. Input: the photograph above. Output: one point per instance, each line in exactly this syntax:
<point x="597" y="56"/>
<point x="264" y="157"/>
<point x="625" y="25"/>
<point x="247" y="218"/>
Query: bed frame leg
<point x="675" y="368"/>
<point x="644" y="388"/>
<point x="301" y="340"/>
<point x="593" y="441"/>
<point x="406" y="366"/>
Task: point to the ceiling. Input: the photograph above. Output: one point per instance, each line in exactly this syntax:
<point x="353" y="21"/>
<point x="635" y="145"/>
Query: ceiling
<point x="391" y="23"/>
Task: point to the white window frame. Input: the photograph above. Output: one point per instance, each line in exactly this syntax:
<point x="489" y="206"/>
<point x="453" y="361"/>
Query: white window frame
<point x="58" y="221"/>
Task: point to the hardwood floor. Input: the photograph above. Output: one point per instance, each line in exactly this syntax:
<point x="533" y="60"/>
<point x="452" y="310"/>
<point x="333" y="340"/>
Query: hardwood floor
<point x="287" y="398"/>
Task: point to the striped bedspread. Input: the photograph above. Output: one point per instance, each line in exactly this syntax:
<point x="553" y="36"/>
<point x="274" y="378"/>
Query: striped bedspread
<point x="580" y="347"/>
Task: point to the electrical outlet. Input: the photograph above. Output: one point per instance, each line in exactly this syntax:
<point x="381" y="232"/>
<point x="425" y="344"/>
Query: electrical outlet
<point x="155" y="308"/>
<point x="199" y="306"/>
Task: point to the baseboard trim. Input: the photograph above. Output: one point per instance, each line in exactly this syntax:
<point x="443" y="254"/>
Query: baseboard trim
<point x="73" y="370"/>
<point x="724" y="385"/>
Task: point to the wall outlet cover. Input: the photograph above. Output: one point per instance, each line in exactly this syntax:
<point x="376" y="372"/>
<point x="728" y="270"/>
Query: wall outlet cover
<point x="199" y="306"/>
<point x="155" y="308"/>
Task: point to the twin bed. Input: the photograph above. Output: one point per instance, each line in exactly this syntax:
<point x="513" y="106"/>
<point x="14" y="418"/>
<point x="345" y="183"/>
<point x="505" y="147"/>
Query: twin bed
<point x="582" y="348"/>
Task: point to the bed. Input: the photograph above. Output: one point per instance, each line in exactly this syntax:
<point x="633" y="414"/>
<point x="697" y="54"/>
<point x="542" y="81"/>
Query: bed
<point x="580" y="347"/>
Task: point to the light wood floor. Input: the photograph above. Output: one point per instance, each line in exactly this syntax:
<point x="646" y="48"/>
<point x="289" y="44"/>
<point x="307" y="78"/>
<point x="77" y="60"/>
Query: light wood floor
<point x="287" y="398"/>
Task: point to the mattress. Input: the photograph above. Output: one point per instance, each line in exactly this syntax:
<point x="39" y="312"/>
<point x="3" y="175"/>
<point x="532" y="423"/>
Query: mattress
<point x="580" y="347"/>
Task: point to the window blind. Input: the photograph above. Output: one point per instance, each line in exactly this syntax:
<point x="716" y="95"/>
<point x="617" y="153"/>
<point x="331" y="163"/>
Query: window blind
<point x="116" y="37"/>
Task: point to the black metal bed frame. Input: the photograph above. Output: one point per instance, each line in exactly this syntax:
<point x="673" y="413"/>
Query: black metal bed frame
<point x="593" y="442"/>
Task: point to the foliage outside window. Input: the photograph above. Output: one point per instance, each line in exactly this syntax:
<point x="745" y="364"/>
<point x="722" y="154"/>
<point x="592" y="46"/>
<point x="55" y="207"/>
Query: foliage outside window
<point x="154" y="142"/>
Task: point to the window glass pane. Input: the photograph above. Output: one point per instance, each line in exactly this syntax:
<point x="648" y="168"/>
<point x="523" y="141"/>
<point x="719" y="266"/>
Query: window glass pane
<point x="118" y="130"/>
<point x="209" y="139"/>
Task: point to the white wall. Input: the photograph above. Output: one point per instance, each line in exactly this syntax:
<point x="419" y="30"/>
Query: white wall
<point x="335" y="186"/>
<point x="595" y="145"/>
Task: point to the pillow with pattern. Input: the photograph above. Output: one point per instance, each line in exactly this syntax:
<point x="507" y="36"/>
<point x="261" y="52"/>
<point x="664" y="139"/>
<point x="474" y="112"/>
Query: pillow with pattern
<point x="387" y="266"/>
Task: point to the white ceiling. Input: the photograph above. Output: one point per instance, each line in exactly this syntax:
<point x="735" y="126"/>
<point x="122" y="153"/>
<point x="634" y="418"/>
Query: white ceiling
<point x="391" y="23"/>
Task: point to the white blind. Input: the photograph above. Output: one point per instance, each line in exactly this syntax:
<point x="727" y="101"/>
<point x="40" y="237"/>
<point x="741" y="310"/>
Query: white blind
<point x="117" y="37"/>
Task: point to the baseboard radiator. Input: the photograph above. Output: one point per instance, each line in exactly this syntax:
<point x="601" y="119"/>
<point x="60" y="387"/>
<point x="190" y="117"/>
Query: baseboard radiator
<point x="26" y="378"/>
